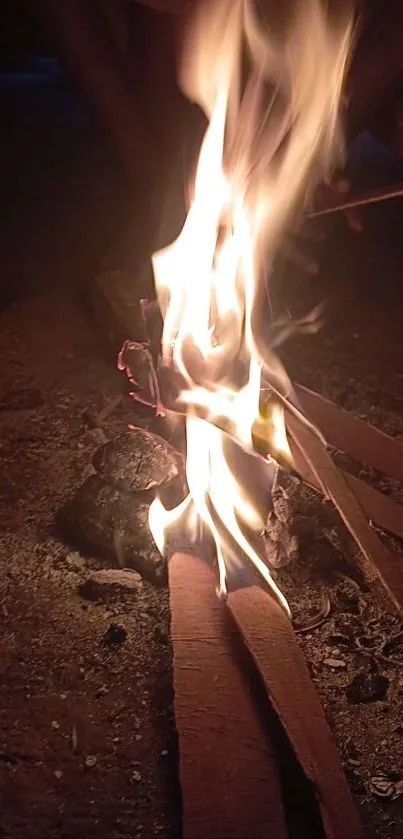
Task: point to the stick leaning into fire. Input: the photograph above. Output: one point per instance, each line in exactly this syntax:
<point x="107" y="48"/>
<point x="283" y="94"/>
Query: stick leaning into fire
<point x="273" y="134"/>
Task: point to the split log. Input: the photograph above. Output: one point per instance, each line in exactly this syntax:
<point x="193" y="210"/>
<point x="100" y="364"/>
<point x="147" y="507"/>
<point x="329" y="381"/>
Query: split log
<point x="377" y="563"/>
<point x="228" y="771"/>
<point x="376" y="506"/>
<point x="270" y="639"/>
<point x="349" y="434"/>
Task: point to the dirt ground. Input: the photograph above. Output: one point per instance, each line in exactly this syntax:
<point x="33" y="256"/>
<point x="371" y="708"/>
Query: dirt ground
<point x="87" y="738"/>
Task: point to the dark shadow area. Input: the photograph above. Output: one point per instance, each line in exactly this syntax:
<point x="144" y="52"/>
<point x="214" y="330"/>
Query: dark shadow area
<point x="64" y="193"/>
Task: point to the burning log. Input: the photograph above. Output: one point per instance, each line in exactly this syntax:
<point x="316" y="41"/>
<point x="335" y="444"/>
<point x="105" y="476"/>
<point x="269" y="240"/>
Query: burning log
<point x="254" y="167"/>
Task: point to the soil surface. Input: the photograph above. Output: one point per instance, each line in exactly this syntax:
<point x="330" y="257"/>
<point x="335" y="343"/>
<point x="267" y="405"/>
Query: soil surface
<point x="87" y="736"/>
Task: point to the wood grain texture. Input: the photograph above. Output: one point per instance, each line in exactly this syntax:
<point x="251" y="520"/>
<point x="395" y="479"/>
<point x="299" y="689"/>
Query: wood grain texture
<point x="376" y="562"/>
<point x="271" y="641"/>
<point x="228" y="771"/>
<point x="349" y="434"/>
<point x="379" y="508"/>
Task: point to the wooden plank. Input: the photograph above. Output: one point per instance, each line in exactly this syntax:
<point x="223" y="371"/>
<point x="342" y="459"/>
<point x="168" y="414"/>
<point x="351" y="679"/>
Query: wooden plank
<point x="349" y="434"/>
<point x="271" y="641"/>
<point x="228" y="770"/>
<point x="377" y="507"/>
<point x="376" y="562"/>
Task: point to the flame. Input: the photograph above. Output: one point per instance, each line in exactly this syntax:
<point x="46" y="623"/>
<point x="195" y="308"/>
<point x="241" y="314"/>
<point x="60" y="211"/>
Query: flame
<point x="269" y="142"/>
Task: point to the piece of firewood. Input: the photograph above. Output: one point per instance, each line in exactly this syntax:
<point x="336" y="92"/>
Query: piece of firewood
<point x="377" y="563"/>
<point x="228" y="772"/>
<point x="270" y="639"/>
<point x="377" y="507"/>
<point x="349" y="434"/>
<point x="374" y="197"/>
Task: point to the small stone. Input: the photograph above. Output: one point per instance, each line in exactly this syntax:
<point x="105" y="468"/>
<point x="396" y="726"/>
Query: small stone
<point x="58" y="774"/>
<point x="136" y="776"/>
<point x="367" y="687"/>
<point x="55" y="725"/>
<point x="102" y="691"/>
<point x="164" y="752"/>
<point x="106" y="521"/>
<point x="335" y="663"/>
<point x="115" y="634"/>
<point x="90" y="761"/>
<point x="74" y="739"/>
<point x="382" y="786"/>
<point x="74" y="560"/>
<point x="137" y="460"/>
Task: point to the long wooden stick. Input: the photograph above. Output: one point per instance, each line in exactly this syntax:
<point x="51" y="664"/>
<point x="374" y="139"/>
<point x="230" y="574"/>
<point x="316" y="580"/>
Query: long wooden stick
<point x="229" y="780"/>
<point x="378" y="507"/>
<point x="373" y="197"/>
<point x="377" y="563"/>
<point x="350" y="434"/>
<point x="271" y="641"/>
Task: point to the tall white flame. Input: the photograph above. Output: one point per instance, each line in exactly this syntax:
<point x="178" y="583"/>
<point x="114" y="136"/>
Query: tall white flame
<point x="273" y="134"/>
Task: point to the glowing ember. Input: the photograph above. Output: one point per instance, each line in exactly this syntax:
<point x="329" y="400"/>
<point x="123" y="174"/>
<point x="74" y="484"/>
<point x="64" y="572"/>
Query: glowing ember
<point x="268" y="144"/>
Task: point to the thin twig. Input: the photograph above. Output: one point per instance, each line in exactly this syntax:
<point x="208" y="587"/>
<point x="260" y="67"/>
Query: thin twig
<point x="374" y="197"/>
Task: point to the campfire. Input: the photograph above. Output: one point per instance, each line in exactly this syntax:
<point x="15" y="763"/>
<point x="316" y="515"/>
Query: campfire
<point x="210" y="372"/>
<point x="272" y="97"/>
